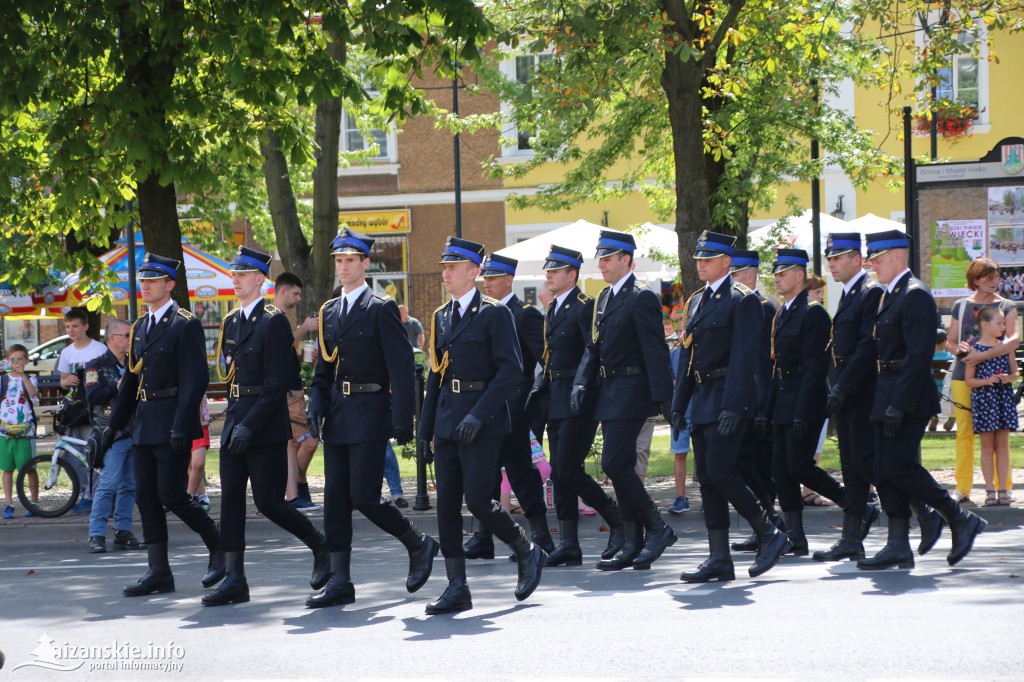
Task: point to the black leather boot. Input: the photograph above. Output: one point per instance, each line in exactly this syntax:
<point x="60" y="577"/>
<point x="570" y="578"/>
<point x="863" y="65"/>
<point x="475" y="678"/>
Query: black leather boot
<point x="481" y="545"/>
<point x="540" y="535"/>
<point x="965" y="527"/>
<point x="634" y="542"/>
<point x="795" y="531"/>
<point x="531" y="560"/>
<point x="931" y="523"/>
<point x="568" y="552"/>
<point x="660" y="537"/>
<point x="612" y="515"/>
<point x="235" y="588"/>
<point x="772" y="544"/>
<point x="718" y="565"/>
<point x="896" y="553"/>
<point x="849" y="545"/>
<point x="215" y="568"/>
<point x="339" y="589"/>
<point x="321" y="559"/>
<point x="752" y="543"/>
<point x="422" y="550"/>
<point x="871" y="516"/>
<point x="158" y="579"/>
<point x="456" y="596"/>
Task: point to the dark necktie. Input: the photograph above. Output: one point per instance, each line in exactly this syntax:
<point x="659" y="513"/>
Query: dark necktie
<point x="843" y="297"/>
<point x="456" y="314"/>
<point x="704" y="298"/>
<point x="344" y="311"/>
<point x="152" y="324"/>
<point x="553" y="308"/>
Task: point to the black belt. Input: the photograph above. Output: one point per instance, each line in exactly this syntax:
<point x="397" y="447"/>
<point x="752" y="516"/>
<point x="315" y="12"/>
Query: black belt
<point x="787" y="372"/>
<point x="889" y="366"/>
<point x="709" y="374"/>
<point x="841" y="360"/>
<point x="620" y="371"/>
<point x="350" y="387"/>
<point x="157" y="393"/>
<point x="561" y="373"/>
<point x="237" y="391"/>
<point x="461" y="385"/>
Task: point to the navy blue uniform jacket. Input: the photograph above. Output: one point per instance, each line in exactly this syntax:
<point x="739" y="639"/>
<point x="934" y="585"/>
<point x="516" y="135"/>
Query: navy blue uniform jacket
<point x="258" y="349"/>
<point x="629" y="333"/>
<point x="373" y="348"/>
<point x="173" y="356"/>
<point x="905" y="332"/>
<point x="483" y="347"/>
<point x="530" y="331"/>
<point x="763" y="371"/>
<point x="725" y="332"/>
<point x="568" y="335"/>
<point x="853" y="341"/>
<point x="801" y="336"/>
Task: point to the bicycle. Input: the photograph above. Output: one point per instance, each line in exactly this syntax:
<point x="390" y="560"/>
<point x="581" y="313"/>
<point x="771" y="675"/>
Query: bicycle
<point x="56" y="486"/>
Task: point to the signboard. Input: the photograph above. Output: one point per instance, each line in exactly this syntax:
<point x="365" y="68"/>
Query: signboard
<point x="955" y="243"/>
<point x="377" y="222"/>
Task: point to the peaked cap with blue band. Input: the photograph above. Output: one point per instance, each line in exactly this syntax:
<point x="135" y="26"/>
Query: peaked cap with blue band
<point x="714" y="244"/>
<point x="612" y="242"/>
<point x="561" y="257"/>
<point x="495" y="266"/>
<point x="839" y="243"/>
<point x="157" y="267"/>
<point x="250" y="260"/>
<point x="789" y="258"/>
<point x="880" y="242"/>
<point x="458" y="250"/>
<point x="349" y="241"/>
<point x="743" y="259"/>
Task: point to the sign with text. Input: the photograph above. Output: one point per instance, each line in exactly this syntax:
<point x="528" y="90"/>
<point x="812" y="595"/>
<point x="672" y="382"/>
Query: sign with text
<point x="377" y="222"/>
<point x="954" y="244"/>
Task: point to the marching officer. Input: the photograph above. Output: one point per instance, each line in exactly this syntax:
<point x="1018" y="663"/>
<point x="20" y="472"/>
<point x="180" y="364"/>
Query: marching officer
<point x="905" y="399"/>
<point x="160" y="395"/>
<point x="567" y="334"/>
<point x="516" y="455"/>
<point x="796" y="404"/>
<point x="255" y="342"/>
<point x="363" y="393"/>
<point x="723" y="331"/>
<point x="853" y="389"/>
<point x="755" y="459"/>
<point x="474" y="370"/>
<point x="627" y="367"/>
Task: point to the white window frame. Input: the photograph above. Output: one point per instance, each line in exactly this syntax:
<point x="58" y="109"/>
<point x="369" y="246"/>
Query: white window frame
<point x="511" y="153"/>
<point x="386" y="162"/>
<point x="982" y="124"/>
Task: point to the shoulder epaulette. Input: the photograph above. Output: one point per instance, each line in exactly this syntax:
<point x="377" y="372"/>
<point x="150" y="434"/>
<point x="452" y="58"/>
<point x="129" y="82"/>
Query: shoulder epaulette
<point x="187" y="314"/>
<point x="639" y="285"/>
<point x="271" y="310"/>
<point x="582" y="297"/>
<point x="489" y="301"/>
<point x="232" y="312"/>
<point x="526" y="306"/>
<point x="742" y="288"/>
<point x="382" y="296"/>
<point x="913" y="285"/>
<point x="870" y="281"/>
<point x="812" y="302"/>
<point x="440" y="308"/>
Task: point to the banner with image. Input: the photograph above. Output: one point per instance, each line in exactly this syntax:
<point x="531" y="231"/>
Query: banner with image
<point x="955" y="243"/>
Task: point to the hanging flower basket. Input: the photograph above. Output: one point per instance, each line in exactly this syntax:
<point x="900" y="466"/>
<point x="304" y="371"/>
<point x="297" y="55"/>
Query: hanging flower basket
<point x="953" y="119"/>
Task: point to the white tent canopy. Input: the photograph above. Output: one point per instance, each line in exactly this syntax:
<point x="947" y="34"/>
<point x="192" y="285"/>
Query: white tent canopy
<point x="871" y="223"/>
<point x="801" y="237"/>
<point x="582" y="236"/>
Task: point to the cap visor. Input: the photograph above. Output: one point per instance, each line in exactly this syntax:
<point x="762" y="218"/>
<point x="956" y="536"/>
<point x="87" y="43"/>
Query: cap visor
<point x="555" y="265"/>
<point x="149" y="274"/>
<point x="348" y="251"/>
<point x="454" y="258"/>
<point x="782" y="267"/>
<point x="601" y="253"/>
<point x="737" y="268"/>
<point x="705" y="254"/>
<point x="494" y="273"/>
<point x="833" y="254"/>
<point x="875" y="254"/>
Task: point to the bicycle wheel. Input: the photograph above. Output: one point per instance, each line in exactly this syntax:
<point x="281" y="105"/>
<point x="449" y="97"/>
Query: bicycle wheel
<point x="58" y="486"/>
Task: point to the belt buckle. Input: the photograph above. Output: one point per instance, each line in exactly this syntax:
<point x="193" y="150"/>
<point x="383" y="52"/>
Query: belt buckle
<point x="233" y="392"/>
<point x="456" y="386"/>
<point x="696" y="377"/>
<point x="142" y="394"/>
<point x="602" y="372"/>
<point x="878" y="366"/>
<point x="346" y="388"/>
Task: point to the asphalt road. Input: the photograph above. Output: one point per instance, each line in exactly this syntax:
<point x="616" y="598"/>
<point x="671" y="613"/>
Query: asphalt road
<point x="800" y="620"/>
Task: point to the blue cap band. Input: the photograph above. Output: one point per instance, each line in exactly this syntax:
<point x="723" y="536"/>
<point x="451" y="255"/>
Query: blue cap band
<point x="475" y="257"/>
<point x="248" y="260"/>
<point x="845" y="244"/>
<point x="614" y="243"/>
<point x="889" y="244"/>
<point x="739" y="262"/>
<point x="350" y="241"/>
<point x="160" y="267"/>
<point x="791" y="260"/>
<point x="568" y="260"/>
<point x="503" y="267"/>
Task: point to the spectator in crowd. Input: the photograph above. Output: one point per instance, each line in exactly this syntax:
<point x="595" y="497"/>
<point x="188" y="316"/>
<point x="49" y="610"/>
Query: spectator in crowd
<point x="982" y="279"/>
<point x="197" y="465"/>
<point x="680" y="446"/>
<point x="393" y="477"/>
<point x="994" y="411"/>
<point x="941" y="361"/>
<point x="412" y="327"/>
<point x="73" y="358"/>
<point x="302" y="446"/>
<point x="17" y="424"/>
<point x="540" y="460"/>
<point x="115" y="494"/>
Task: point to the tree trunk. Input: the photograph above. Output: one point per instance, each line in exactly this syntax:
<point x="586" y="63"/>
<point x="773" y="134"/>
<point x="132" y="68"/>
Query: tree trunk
<point x="158" y="216"/>
<point x="291" y="243"/>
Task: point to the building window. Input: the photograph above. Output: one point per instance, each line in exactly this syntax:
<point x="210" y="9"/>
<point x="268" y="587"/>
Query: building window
<point x="964" y="78"/>
<point x="521" y="69"/>
<point x="353" y="140"/>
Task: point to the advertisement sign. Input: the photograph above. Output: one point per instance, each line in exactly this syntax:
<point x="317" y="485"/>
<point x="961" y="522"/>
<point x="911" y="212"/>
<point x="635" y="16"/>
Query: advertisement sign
<point x="955" y="243"/>
<point x="377" y="222"/>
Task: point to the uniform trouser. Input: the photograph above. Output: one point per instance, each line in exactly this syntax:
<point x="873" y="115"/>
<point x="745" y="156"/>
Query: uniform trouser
<point x="715" y="460"/>
<point x="516" y="455"/>
<point x="794" y="464"/>
<point x="965" y="438"/>
<point x="352" y="480"/>
<point x="901" y="478"/>
<point x="618" y="459"/>
<point x="161" y="475"/>
<point x="569" y="441"/>
<point x="856" y="455"/>
<point x="265" y="466"/>
<point x="468" y="470"/>
<point x="755" y="465"/>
